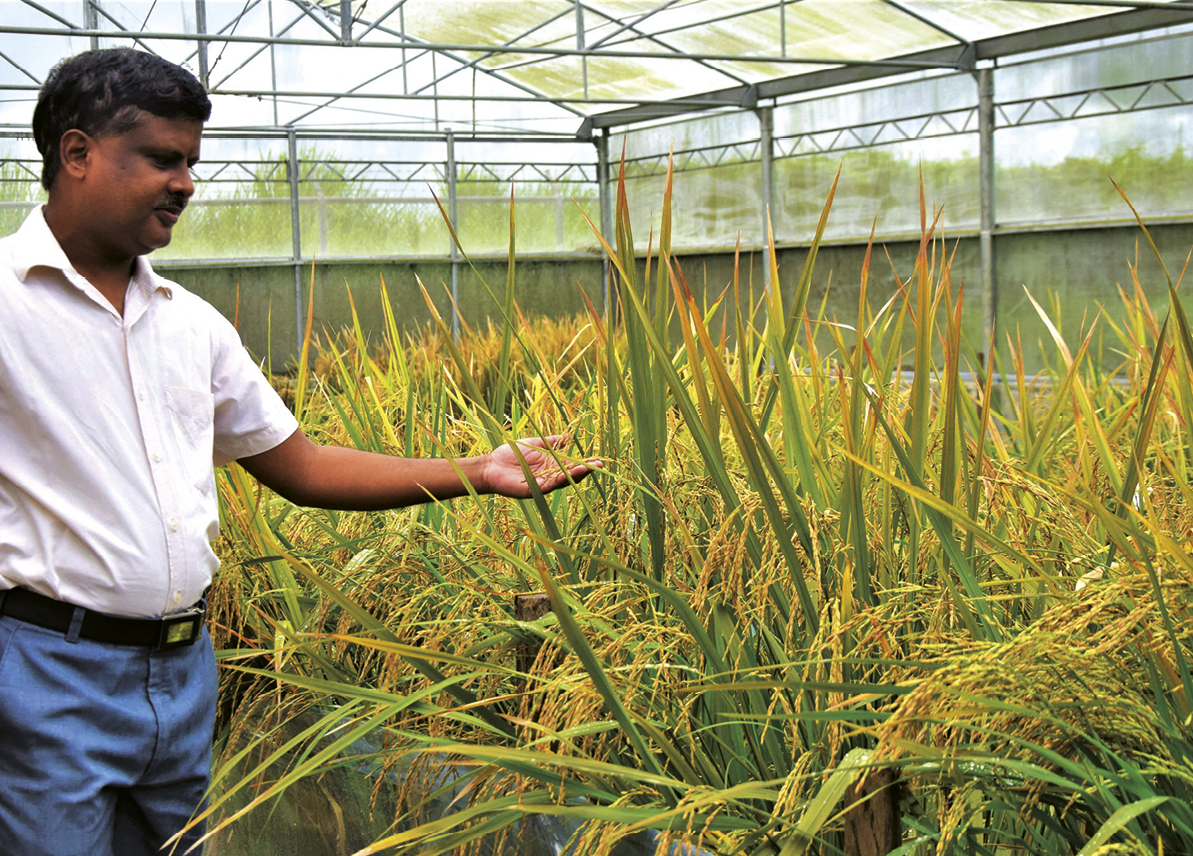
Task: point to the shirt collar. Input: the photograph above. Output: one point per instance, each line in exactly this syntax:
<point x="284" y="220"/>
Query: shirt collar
<point x="36" y="246"/>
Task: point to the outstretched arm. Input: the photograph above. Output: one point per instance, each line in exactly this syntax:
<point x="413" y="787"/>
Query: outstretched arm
<point x="337" y="477"/>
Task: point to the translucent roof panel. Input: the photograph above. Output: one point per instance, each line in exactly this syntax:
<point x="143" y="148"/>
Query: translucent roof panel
<point x="534" y="67"/>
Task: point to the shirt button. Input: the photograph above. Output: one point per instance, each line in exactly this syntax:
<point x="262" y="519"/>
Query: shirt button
<point x="156" y="457"/>
<point x="173" y="525"/>
<point x="178" y="597"/>
<point x="141" y="394"/>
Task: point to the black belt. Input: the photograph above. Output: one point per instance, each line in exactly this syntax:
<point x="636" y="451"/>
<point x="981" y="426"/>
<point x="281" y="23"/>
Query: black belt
<point x="162" y="634"/>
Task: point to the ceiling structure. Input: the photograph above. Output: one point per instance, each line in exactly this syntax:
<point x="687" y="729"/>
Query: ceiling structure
<point x="536" y="68"/>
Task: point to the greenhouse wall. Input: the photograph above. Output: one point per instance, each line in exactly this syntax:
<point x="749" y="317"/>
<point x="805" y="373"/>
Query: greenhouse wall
<point x="272" y="207"/>
<point x="1070" y="272"/>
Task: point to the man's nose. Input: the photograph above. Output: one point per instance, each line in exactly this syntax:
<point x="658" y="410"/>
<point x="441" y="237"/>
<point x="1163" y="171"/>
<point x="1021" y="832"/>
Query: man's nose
<point x="183" y="182"/>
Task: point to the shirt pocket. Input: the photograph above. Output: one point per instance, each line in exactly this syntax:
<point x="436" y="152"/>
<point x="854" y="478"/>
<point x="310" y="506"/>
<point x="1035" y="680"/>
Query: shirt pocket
<point x="192" y="414"/>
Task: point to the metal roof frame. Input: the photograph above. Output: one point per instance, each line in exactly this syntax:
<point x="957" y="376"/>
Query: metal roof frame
<point x="1141" y="17"/>
<point x="602" y="39"/>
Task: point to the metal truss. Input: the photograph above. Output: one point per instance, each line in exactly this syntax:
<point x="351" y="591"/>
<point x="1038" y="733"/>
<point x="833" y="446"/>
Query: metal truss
<point x="242" y="173"/>
<point x="360" y="172"/>
<point x="513" y="173"/>
<point x="704" y="157"/>
<point x="1104" y="101"/>
<point x="1155" y="94"/>
<point x="382" y="172"/>
<point x="20" y="170"/>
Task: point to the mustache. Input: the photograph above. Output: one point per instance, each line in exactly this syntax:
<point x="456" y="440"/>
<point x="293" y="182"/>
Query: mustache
<point x="176" y="202"/>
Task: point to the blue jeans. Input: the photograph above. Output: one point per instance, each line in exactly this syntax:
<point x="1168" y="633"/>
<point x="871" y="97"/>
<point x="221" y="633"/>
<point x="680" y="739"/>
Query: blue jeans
<point x="105" y="750"/>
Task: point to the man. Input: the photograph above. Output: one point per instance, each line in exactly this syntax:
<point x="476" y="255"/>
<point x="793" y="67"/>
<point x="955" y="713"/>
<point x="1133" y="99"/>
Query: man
<point x="118" y="389"/>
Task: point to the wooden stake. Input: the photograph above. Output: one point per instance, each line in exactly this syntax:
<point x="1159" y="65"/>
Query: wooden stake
<point x="872" y="826"/>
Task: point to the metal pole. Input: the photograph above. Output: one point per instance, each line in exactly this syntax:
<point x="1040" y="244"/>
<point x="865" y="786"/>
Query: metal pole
<point x="985" y="79"/>
<point x="345" y="22"/>
<point x="402" y="31"/>
<point x="273" y="66"/>
<point x="782" y="28"/>
<point x="766" y="122"/>
<point x="580" y="44"/>
<point x="201" y="29"/>
<point x="452" y="214"/>
<point x="91" y="20"/>
<point x="603" y="193"/>
<point x="292" y="168"/>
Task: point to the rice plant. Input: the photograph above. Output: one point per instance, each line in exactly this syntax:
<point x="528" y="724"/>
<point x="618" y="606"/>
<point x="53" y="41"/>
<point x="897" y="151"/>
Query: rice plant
<point x="823" y="583"/>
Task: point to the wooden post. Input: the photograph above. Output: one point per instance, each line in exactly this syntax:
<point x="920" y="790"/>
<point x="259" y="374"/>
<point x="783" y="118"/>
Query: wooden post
<point x="872" y="827"/>
<point x="529" y="607"/>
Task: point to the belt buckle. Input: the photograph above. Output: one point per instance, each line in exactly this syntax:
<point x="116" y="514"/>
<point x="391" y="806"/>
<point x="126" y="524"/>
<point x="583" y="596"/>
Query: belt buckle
<point x="181" y="630"/>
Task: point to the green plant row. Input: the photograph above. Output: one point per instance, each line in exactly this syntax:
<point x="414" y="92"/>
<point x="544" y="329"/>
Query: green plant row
<point x="794" y="576"/>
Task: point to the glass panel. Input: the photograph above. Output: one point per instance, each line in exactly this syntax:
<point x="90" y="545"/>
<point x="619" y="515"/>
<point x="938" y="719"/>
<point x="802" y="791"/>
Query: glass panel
<point x="979" y="19"/>
<point x="882" y="183"/>
<point x="1148" y="59"/>
<point x="355" y="208"/>
<point x="546" y="217"/>
<point x="953" y="95"/>
<point x="1059" y="172"/>
<point x="716" y="131"/>
<point x="710" y="207"/>
<point x="354" y="226"/>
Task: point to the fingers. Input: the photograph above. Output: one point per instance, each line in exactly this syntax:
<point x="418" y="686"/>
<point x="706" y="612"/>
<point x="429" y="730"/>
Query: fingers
<point x="555" y="441"/>
<point x="551" y="474"/>
<point x="556" y="477"/>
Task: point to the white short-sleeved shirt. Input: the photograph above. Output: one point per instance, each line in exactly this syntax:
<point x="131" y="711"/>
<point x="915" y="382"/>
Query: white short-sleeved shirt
<point x="109" y="428"/>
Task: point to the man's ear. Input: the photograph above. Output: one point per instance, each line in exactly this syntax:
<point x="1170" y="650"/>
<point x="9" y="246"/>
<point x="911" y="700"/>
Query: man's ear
<point x="74" y="150"/>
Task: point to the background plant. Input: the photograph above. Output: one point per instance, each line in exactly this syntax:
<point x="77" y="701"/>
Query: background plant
<point x="793" y="570"/>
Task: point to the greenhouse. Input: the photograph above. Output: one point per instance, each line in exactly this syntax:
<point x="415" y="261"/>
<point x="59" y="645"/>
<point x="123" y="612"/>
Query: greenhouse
<point x="1014" y="112"/>
<point x="871" y="310"/>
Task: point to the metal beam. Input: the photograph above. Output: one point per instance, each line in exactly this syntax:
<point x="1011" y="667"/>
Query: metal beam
<point x="747" y="100"/>
<point x="273" y="66"/>
<point x="623" y="26"/>
<point x="23" y="71"/>
<point x="766" y="126"/>
<point x="309" y="10"/>
<point x="91" y="21"/>
<point x="377" y="22"/>
<point x="654" y="38"/>
<point x="923" y="19"/>
<point x="453" y="216"/>
<point x="985" y="81"/>
<point x="98" y="33"/>
<point x="604" y="191"/>
<point x="740" y="12"/>
<point x="295" y="234"/>
<point x="955" y="56"/>
<point x="347" y="94"/>
<point x="346" y="22"/>
<point x="476" y="62"/>
<point x="408" y="43"/>
<point x="50" y="14"/>
<point x="200" y="29"/>
<point x="248" y="7"/>
<point x="447" y="48"/>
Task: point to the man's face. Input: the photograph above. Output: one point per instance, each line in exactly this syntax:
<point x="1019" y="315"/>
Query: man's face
<point x="137" y="185"/>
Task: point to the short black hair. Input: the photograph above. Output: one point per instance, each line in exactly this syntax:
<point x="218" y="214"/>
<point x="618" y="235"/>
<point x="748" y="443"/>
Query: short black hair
<point x="106" y="93"/>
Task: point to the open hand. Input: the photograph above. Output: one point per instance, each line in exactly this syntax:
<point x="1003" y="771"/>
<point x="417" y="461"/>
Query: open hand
<point x="503" y="473"/>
